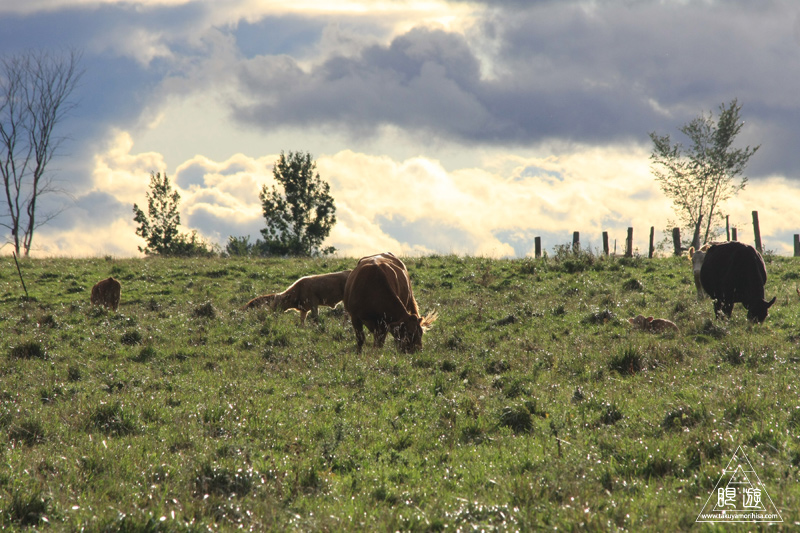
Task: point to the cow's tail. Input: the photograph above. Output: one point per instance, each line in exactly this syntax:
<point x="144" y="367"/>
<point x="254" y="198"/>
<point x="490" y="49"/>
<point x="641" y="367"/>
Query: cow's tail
<point x="429" y="319"/>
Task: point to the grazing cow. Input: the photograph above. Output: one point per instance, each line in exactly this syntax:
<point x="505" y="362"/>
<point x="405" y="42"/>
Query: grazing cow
<point x="735" y="272"/>
<point x="378" y="295"/>
<point x="696" y="257"/>
<point x="106" y="293"/>
<point x="653" y="325"/>
<point x="306" y="295"/>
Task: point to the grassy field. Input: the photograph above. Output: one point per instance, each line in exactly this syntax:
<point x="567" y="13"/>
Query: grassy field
<point x="533" y="405"/>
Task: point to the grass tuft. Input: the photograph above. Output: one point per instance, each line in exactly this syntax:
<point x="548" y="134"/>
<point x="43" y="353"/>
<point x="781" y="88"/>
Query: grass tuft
<point x="113" y="419"/>
<point x="26" y="509"/>
<point x="627" y="362"/>
<point x="28" y="350"/>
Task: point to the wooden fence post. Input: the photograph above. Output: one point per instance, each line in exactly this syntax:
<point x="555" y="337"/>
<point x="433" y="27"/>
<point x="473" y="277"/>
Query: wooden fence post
<point x="576" y="242"/>
<point x="605" y="243"/>
<point x="734" y="237"/>
<point x="629" y="243"/>
<point x="676" y="240"/>
<point x="652" y="248"/>
<point x="537" y="245"/>
<point x="796" y="245"/>
<point x="757" y="231"/>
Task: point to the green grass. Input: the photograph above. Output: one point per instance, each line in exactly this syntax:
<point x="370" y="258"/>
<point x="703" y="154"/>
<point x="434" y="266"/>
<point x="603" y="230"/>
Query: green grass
<point x="532" y="404"/>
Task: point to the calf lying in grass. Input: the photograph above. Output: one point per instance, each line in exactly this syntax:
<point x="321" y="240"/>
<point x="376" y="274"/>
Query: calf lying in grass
<point x="653" y="325"/>
<point x="306" y="295"/>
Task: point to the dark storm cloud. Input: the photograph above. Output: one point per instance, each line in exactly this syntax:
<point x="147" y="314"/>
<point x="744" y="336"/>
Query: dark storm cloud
<point x="596" y="73"/>
<point x="424" y="79"/>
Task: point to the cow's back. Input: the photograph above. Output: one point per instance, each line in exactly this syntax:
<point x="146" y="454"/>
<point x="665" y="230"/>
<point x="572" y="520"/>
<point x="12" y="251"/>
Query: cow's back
<point x="400" y="280"/>
<point x="324" y="289"/>
<point x="733" y="270"/>
<point x="375" y="287"/>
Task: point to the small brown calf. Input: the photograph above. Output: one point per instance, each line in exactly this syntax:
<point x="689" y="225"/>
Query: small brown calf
<point x="106" y="293"/>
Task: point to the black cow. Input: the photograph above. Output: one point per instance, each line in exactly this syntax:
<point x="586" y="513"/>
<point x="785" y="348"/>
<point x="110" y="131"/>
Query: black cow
<point x="734" y="272"/>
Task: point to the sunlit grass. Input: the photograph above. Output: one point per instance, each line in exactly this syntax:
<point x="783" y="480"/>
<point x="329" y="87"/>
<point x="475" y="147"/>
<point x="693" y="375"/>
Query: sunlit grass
<point x="532" y="405"/>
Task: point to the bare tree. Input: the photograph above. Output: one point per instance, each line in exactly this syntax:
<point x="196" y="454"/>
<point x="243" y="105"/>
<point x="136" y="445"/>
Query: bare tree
<point x="35" y="90"/>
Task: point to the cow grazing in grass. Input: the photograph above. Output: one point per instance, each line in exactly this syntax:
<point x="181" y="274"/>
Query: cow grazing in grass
<point x="735" y="272"/>
<point x="306" y="295"/>
<point x="653" y="325"/>
<point x="378" y="295"/>
<point x="697" y="257"/>
<point x="106" y="293"/>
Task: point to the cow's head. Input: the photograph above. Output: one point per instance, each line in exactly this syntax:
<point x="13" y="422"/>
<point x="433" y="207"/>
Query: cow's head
<point x="272" y="301"/>
<point x="408" y="331"/>
<point x="757" y="312"/>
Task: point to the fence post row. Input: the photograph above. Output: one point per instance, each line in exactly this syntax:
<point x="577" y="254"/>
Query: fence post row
<point x="731" y="234"/>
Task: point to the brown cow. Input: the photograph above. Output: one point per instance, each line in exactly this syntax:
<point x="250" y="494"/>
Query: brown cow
<point x="378" y="295"/>
<point x="306" y="295"/>
<point x="654" y="325"/>
<point x="106" y="293"/>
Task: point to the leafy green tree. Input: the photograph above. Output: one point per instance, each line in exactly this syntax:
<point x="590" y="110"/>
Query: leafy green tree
<point x="301" y="215"/>
<point x="160" y="226"/>
<point x="700" y="178"/>
<point x="240" y="246"/>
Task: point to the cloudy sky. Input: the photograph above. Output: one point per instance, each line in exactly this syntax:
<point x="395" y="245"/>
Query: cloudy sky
<point x="442" y="126"/>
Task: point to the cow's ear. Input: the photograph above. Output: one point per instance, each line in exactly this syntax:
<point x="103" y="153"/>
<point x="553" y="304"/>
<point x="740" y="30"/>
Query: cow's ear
<point x="772" y="302"/>
<point x="649" y="319"/>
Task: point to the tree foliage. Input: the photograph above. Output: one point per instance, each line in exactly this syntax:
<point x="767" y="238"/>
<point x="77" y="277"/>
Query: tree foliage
<point x="700" y="178"/>
<point x="301" y="215"/>
<point x="160" y="226"/>
<point x="35" y="90"/>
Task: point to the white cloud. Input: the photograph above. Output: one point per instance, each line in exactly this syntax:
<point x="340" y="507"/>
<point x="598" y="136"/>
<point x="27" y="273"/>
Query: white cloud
<point x="416" y="206"/>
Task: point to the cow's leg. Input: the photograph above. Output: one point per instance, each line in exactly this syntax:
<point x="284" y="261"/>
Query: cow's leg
<point x="380" y="335"/>
<point x="315" y="313"/>
<point x="727" y="308"/>
<point x="717" y="307"/>
<point x="303" y="313"/>
<point x="358" y="327"/>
